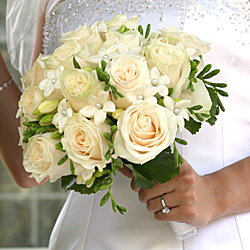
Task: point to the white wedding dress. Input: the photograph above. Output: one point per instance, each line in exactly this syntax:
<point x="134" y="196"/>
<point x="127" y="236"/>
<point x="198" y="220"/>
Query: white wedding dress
<point x="82" y="223"/>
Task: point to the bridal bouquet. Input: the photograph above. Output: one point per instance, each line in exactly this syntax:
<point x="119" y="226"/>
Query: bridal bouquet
<point x="113" y="95"/>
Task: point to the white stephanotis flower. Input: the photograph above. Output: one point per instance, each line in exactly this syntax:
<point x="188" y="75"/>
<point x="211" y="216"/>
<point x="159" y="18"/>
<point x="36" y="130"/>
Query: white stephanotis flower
<point x="145" y="92"/>
<point x="63" y="114"/>
<point x="179" y="108"/>
<point x="51" y="81"/>
<point x="159" y="81"/>
<point x="98" y="107"/>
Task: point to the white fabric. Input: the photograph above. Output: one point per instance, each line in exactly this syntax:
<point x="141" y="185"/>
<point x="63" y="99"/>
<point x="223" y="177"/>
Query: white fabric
<point x="82" y="223"/>
<point x="21" y="17"/>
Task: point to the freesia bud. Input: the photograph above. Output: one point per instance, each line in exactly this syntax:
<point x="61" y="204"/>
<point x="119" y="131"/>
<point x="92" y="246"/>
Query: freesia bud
<point x="48" y="106"/>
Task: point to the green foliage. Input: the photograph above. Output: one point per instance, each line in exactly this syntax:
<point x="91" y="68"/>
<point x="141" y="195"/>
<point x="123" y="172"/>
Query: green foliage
<point x="76" y="64"/>
<point x="123" y="29"/>
<point x="147" y="30"/>
<point x="192" y="126"/>
<point x="105" y="77"/>
<point x="159" y="170"/>
<point x="214" y="90"/>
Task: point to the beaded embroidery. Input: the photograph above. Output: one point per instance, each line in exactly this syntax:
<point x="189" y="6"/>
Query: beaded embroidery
<point x="69" y="14"/>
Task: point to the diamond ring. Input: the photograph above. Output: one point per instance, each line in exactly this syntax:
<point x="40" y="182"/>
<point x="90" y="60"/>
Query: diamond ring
<point x="165" y="209"/>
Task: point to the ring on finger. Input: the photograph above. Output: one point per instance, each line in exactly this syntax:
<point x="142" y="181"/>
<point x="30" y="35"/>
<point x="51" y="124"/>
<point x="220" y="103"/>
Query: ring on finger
<point x="166" y="209"/>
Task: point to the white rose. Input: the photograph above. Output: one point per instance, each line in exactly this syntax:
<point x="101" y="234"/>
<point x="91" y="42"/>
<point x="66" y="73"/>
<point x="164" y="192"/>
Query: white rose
<point x="199" y="96"/>
<point x="119" y="20"/>
<point x="63" y="55"/>
<point x="84" y="142"/>
<point x="189" y="41"/>
<point x="29" y="101"/>
<point x="35" y="75"/>
<point x="40" y="158"/>
<point x="144" y="130"/>
<point x="77" y="85"/>
<point x="170" y="60"/>
<point x="83" y="174"/>
<point x="130" y="38"/>
<point x="86" y="36"/>
<point x="128" y="73"/>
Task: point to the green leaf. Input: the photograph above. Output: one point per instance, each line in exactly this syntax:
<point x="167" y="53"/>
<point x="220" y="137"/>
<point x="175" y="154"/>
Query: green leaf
<point x="102" y="76"/>
<point x="56" y="135"/>
<point x="107" y="136"/>
<point x="204" y="71"/>
<point x="114" y="205"/>
<point x="107" y="155"/>
<point x="140" y="29"/>
<point x="196" y="107"/>
<point x="181" y="141"/>
<point x="121" y="209"/>
<point x="113" y="128"/>
<point x="103" y="64"/>
<point x="76" y="64"/>
<point x="213" y="96"/>
<point x="147" y="30"/>
<point x="211" y="74"/>
<point x="220" y="104"/>
<point x="192" y="126"/>
<point x="104" y="199"/>
<point x="69" y="183"/>
<point x="160" y="169"/>
<point x="72" y="167"/>
<point x="170" y="91"/>
<point x="222" y="93"/>
<point x="59" y="146"/>
<point x="106" y="88"/>
<point x="62" y="160"/>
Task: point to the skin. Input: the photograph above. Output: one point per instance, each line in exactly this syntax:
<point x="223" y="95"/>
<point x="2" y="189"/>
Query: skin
<point x="198" y="200"/>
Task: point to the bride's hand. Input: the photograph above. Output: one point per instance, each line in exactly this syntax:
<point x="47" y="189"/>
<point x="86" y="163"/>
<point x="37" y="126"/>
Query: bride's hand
<point x="190" y="197"/>
<point x="126" y="171"/>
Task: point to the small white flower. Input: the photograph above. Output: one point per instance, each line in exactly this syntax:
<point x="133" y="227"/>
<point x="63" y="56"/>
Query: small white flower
<point x="179" y="108"/>
<point x="145" y="92"/>
<point x="98" y="107"/>
<point x="159" y="81"/>
<point x="62" y="115"/>
<point x="51" y="81"/>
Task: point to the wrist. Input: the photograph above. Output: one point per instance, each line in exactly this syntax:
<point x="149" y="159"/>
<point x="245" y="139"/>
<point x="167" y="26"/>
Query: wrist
<point x="220" y="197"/>
<point x="6" y="84"/>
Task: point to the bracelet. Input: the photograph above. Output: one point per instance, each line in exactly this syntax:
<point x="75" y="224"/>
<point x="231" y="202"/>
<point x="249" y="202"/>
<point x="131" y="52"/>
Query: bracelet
<point x="6" y="84"/>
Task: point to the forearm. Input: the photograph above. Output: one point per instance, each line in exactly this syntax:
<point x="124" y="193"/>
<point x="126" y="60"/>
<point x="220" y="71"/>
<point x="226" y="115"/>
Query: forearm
<point x="231" y="188"/>
<point x="10" y="152"/>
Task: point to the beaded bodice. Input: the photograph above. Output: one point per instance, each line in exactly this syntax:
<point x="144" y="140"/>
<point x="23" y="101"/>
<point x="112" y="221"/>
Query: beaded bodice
<point x="69" y="14"/>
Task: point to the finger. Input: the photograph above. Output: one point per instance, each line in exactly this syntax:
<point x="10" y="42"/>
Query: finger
<point x="133" y="186"/>
<point x="155" y="204"/>
<point x="173" y="215"/>
<point x="157" y="190"/>
<point x="126" y="171"/>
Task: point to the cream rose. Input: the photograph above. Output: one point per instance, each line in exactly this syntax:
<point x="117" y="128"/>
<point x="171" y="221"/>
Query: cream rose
<point x="63" y="55"/>
<point x="29" y="101"/>
<point x="130" y="38"/>
<point x="127" y="73"/>
<point x="77" y="84"/>
<point x="86" y="36"/>
<point x="189" y="41"/>
<point x="40" y="159"/>
<point x="35" y="75"/>
<point x="84" y="142"/>
<point x="144" y="130"/>
<point x="170" y="60"/>
<point x="121" y="19"/>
